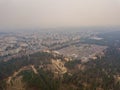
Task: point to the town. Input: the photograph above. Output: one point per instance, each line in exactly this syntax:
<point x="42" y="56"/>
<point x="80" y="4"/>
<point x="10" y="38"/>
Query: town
<point x="67" y="43"/>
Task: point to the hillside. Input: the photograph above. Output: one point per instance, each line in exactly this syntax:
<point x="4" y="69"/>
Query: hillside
<point x="51" y="70"/>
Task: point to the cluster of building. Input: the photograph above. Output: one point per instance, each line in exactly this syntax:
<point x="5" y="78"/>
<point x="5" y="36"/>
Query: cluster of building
<point x="16" y="44"/>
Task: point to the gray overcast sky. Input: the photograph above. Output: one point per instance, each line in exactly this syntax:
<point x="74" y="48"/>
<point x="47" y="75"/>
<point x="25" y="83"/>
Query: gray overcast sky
<point x="58" y="13"/>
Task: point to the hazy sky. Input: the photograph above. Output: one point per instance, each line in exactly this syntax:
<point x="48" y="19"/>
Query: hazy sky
<point x="58" y="13"/>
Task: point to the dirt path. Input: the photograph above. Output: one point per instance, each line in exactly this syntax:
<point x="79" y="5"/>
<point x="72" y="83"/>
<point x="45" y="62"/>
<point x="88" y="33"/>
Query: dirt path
<point x="17" y="84"/>
<point x="21" y="69"/>
<point x="34" y="69"/>
<point x="15" y="74"/>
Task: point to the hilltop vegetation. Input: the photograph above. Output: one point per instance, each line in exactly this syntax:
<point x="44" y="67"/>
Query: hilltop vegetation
<point x="100" y="74"/>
